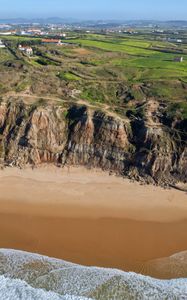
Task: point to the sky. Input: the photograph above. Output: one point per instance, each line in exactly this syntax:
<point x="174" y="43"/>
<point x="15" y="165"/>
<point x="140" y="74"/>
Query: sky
<point x="96" y="9"/>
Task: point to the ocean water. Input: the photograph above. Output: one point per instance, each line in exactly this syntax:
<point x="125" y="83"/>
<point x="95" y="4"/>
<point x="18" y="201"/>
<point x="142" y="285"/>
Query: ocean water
<point x="31" y="276"/>
<point x="15" y="289"/>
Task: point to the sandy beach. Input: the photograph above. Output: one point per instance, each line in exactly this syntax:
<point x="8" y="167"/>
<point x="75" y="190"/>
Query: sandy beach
<point x="90" y="217"/>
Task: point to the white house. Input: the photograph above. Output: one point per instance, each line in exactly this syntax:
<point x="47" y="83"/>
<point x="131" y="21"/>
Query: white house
<point x="1" y="44"/>
<point x="6" y="33"/>
<point x="21" y="48"/>
<point x="27" y="50"/>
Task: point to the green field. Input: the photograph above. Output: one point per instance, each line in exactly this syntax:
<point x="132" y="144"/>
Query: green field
<point x="119" y="71"/>
<point x="144" y="61"/>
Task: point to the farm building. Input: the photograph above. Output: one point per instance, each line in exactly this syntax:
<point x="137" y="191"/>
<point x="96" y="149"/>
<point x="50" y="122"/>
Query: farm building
<point x="52" y="41"/>
<point x="178" y="59"/>
<point x="174" y="40"/>
<point x="27" y="50"/>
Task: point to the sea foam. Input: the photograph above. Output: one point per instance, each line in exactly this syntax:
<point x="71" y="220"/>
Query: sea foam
<point x="27" y="275"/>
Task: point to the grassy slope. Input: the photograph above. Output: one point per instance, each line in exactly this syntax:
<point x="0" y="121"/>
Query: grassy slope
<point x="97" y="66"/>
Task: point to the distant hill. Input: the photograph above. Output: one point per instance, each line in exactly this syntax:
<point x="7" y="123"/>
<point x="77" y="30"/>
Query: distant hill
<point x="177" y="22"/>
<point x="58" y="20"/>
<point x="53" y="20"/>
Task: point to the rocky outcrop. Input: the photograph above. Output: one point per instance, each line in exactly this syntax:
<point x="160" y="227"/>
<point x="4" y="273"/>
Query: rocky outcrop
<point x="151" y="148"/>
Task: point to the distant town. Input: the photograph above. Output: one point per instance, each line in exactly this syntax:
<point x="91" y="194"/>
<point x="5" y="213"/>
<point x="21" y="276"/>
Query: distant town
<point x="171" y="31"/>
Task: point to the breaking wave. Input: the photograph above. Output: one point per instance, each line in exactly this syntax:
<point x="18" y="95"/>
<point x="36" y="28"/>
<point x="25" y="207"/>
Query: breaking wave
<point x="31" y="276"/>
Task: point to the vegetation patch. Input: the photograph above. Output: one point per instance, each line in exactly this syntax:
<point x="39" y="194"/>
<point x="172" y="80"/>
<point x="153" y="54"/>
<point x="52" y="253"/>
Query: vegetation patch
<point x="118" y="70"/>
<point x="178" y="109"/>
<point x="68" y="76"/>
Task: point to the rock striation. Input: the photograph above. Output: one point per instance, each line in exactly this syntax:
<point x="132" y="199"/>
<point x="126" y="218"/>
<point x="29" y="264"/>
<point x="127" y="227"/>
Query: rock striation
<point x="151" y="148"/>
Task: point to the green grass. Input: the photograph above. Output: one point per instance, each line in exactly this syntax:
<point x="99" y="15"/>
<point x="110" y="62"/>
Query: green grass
<point x="5" y="55"/>
<point x="141" y="60"/>
<point x="110" y="46"/>
<point x="68" y="76"/>
<point x="19" y="38"/>
<point x="179" y="109"/>
<point x="22" y="86"/>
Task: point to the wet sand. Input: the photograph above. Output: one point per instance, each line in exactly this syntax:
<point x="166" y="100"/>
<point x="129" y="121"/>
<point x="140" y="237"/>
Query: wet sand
<point x="91" y="218"/>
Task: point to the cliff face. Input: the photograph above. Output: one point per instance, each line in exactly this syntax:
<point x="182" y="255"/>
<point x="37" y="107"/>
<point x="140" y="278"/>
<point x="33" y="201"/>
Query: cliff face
<point x="151" y="149"/>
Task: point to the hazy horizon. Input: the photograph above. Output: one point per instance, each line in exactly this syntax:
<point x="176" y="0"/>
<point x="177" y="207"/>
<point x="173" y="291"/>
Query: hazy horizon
<point x="69" y="18"/>
<point x="95" y="10"/>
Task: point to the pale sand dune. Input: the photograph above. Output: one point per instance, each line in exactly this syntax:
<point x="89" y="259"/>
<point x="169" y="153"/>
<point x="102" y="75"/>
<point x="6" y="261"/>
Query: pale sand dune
<point x="89" y="217"/>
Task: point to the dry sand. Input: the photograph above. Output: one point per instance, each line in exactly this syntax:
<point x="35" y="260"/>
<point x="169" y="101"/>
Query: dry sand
<point x="91" y="218"/>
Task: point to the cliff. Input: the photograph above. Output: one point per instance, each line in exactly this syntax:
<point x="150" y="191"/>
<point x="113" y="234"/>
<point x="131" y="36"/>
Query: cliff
<point x="151" y="148"/>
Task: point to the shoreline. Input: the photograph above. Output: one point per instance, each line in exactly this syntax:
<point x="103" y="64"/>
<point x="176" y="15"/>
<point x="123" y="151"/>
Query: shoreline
<point x="90" y="217"/>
